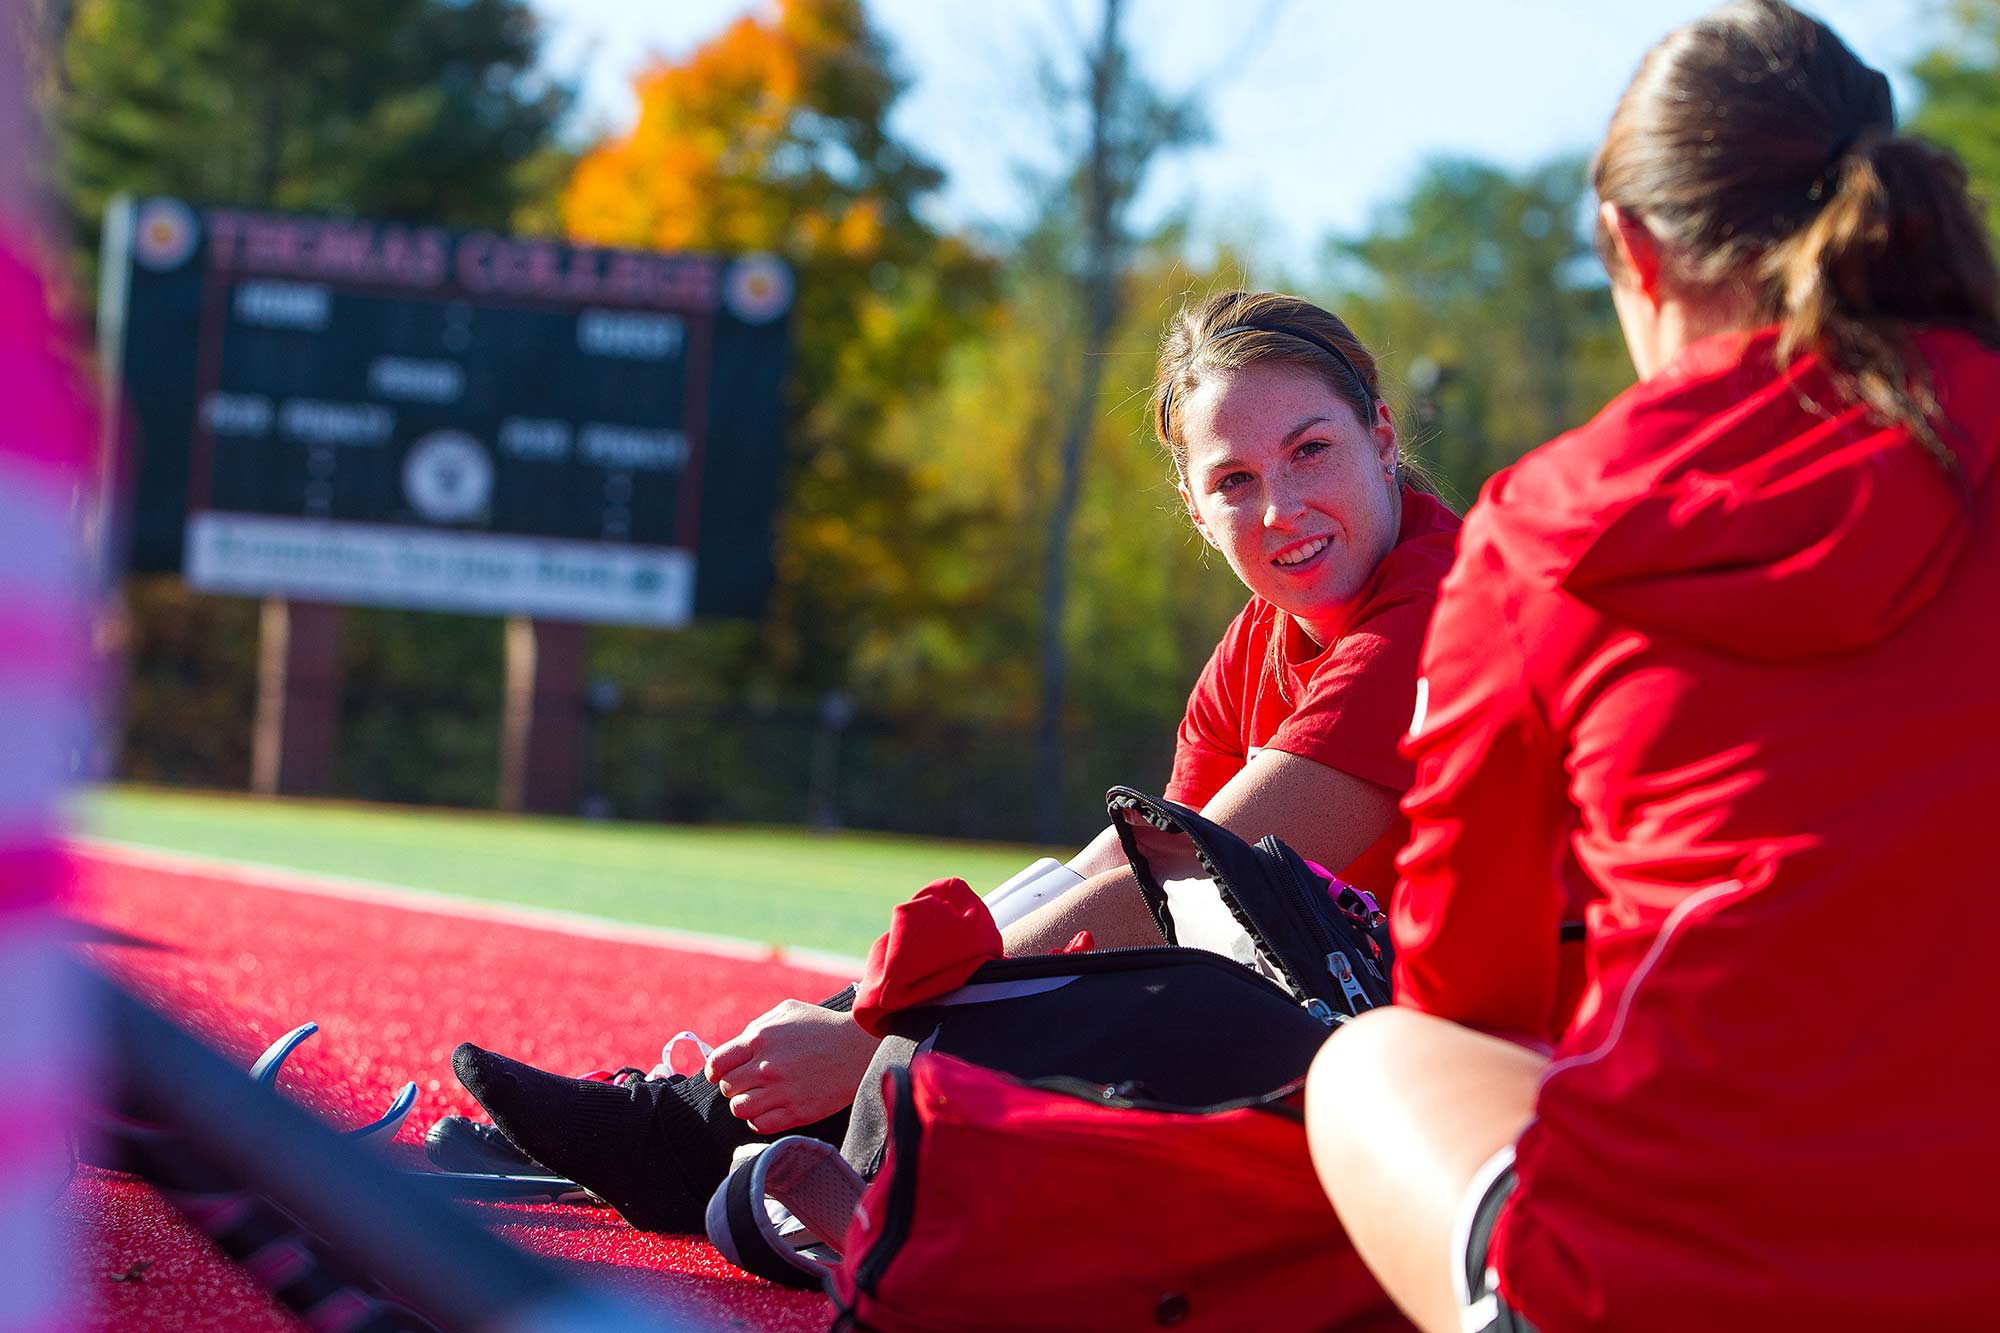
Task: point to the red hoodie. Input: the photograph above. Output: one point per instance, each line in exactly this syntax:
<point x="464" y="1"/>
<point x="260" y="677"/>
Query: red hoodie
<point x="1720" y="673"/>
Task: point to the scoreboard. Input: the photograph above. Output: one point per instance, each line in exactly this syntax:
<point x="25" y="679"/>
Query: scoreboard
<point x="340" y="410"/>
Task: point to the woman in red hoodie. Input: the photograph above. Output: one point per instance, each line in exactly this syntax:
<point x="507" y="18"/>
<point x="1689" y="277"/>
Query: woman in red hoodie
<point x="1716" y="675"/>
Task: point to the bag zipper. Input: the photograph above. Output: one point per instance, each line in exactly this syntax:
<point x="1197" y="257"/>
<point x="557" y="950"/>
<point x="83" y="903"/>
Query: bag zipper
<point x="1350" y="985"/>
<point x="1117" y="960"/>
<point x="1100" y="962"/>
<point x="1314" y="926"/>
<point x="905" y="1132"/>
<point x="1366" y="917"/>
<point x="1126" y="1096"/>
<point x="1302" y="993"/>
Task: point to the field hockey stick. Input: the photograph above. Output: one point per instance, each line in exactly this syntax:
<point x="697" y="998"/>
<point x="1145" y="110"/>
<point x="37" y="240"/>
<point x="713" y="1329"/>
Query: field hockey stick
<point x="265" y="1072"/>
<point x="256" y="1236"/>
<point x="470" y="1186"/>
<point x="345" y="1209"/>
<point x="496" y="1187"/>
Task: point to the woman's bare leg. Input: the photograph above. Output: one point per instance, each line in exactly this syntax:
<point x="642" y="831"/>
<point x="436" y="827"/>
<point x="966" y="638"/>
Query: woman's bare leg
<point x="1402" y="1109"/>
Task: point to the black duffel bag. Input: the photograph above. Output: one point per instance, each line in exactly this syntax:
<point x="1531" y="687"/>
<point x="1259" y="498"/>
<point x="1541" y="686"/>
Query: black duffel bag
<point x="1265" y="957"/>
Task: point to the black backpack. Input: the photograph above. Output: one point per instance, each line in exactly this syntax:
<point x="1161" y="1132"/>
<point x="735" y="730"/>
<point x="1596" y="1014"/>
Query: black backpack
<point x="1264" y="960"/>
<point x="1326" y="942"/>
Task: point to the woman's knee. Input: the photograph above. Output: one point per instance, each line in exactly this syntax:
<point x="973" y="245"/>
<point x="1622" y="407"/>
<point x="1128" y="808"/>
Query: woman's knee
<point x="1395" y="1074"/>
<point x="1359" y="1059"/>
<point x="1352" y="1083"/>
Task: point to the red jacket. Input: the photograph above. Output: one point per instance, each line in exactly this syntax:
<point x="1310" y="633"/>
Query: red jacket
<point x="1720" y="673"/>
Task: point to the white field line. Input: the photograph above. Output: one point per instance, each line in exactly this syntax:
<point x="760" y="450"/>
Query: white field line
<point x="256" y="875"/>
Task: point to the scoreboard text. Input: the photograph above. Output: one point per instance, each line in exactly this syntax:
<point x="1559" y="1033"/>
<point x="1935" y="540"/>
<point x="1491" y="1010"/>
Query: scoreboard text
<point x="352" y="411"/>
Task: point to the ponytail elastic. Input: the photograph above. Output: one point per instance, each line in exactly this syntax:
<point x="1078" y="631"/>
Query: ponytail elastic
<point x="1836" y="156"/>
<point x="1839" y="153"/>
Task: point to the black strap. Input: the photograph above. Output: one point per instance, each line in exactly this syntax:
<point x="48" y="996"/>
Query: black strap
<point x="739" y="1223"/>
<point x="750" y="1248"/>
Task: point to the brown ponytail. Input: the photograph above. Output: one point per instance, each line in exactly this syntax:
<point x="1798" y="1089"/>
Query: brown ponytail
<point x="1763" y="153"/>
<point x="1897" y="244"/>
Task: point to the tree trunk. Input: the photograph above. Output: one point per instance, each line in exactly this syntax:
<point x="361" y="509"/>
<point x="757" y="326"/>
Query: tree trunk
<point x="270" y="147"/>
<point x="1098" y="282"/>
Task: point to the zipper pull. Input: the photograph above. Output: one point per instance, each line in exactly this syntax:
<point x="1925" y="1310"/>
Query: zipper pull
<point x="1321" y="1010"/>
<point x="1350" y="985"/>
<point x="1361" y="906"/>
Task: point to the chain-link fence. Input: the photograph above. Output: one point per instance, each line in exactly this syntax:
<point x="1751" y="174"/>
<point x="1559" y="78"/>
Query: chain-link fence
<point x="802" y="762"/>
<point x="971" y="778"/>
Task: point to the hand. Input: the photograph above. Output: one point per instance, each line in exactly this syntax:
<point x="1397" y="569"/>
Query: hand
<point x="795" y="1064"/>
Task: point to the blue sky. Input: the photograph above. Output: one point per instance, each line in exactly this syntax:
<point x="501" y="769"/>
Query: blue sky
<point x="1321" y="110"/>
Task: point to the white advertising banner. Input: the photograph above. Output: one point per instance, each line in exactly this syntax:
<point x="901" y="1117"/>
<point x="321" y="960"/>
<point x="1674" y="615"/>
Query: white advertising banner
<point x="479" y="573"/>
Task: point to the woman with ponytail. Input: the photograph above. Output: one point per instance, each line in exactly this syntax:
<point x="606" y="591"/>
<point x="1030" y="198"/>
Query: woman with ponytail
<point x="1715" y="674"/>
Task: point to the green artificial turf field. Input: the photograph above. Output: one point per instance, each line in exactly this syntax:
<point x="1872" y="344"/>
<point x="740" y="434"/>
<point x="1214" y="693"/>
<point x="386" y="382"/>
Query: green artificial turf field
<point x="798" y="887"/>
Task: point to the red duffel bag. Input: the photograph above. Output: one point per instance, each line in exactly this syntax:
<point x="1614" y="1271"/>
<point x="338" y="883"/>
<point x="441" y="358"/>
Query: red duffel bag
<point x="1004" y="1205"/>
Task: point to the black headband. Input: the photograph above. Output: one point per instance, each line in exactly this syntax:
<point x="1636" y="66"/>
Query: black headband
<point x="1829" y="174"/>
<point x="1289" y="331"/>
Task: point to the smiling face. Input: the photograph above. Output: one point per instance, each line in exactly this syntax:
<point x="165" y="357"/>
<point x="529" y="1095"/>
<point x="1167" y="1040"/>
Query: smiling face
<point x="1285" y="481"/>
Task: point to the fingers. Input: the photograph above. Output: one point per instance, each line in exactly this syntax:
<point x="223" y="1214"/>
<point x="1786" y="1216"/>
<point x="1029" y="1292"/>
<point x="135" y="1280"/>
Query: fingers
<point x="773" y="1123"/>
<point x="746" y="1077"/>
<point x="744" y="1045"/>
<point x="730" y="1055"/>
<point x="764" y="1110"/>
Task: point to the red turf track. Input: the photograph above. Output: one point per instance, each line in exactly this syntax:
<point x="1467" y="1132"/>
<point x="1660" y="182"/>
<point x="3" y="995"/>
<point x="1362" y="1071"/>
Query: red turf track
<point x="393" y="990"/>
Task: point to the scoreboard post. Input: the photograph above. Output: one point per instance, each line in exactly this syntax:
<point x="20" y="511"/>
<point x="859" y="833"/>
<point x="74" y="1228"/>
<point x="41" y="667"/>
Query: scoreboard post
<point x="341" y="411"/>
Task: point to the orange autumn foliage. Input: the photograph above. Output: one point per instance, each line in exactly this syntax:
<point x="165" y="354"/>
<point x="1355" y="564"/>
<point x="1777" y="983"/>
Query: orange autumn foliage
<point x="723" y="153"/>
<point x="774" y="136"/>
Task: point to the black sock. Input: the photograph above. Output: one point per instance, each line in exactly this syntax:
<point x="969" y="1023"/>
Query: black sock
<point x="662" y="1149"/>
<point x="712" y="1109"/>
<point x="654" y="1149"/>
<point x="707" y="1102"/>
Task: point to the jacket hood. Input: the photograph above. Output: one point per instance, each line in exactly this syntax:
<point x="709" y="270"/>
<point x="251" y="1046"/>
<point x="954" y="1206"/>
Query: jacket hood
<point x="1752" y="509"/>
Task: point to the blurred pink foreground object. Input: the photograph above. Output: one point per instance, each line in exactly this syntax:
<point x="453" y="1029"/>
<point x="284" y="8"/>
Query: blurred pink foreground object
<point x="46" y="449"/>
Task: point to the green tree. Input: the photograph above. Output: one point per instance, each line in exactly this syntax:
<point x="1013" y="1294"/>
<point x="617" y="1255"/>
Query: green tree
<point x="418" y="109"/>
<point x="1127" y="125"/>
<point x="1481" y="294"/>
<point x="1147" y="599"/>
<point x="1960" y="103"/>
